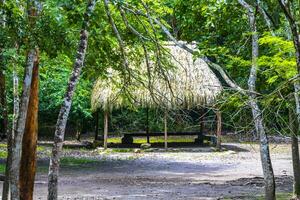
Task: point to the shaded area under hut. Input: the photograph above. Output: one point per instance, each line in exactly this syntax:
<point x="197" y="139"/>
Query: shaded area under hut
<point x="183" y="83"/>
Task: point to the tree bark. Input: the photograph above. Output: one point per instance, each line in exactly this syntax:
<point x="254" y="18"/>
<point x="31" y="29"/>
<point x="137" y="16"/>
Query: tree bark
<point x="296" y="166"/>
<point x="29" y="143"/>
<point x="66" y="106"/>
<point x="295" y="145"/>
<point x="20" y="126"/>
<point x="294" y="127"/>
<point x="10" y="135"/>
<point x="256" y="111"/>
<point x="264" y="151"/>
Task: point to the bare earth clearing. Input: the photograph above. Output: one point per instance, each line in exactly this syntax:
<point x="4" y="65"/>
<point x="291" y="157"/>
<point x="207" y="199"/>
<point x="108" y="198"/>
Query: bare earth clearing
<point x="185" y="173"/>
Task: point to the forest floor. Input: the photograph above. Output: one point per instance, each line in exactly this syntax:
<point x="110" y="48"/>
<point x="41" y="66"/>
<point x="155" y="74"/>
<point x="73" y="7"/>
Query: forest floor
<point x="179" y="173"/>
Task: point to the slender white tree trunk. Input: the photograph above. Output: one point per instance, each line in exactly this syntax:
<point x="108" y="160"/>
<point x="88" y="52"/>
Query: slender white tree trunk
<point x="66" y="106"/>
<point x="295" y="146"/>
<point x="256" y="111"/>
<point x="264" y="151"/>
<point x="10" y="135"/>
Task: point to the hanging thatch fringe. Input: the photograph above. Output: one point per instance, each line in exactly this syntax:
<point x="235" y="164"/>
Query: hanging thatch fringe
<point x="189" y="83"/>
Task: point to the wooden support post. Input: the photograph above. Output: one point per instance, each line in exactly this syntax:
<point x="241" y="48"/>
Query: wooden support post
<point x="78" y="130"/>
<point x="147" y="125"/>
<point x="202" y="115"/>
<point x="96" y="124"/>
<point x="219" y="129"/>
<point x="166" y="129"/>
<point x="105" y="128"/>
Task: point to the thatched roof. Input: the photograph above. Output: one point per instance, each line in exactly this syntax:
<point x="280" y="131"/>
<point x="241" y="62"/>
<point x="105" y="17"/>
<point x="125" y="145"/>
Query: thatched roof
<point x="189" y="83"/>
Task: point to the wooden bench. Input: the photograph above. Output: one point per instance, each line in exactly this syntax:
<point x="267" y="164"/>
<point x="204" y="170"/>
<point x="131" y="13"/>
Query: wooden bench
<point x="128" y="137"/>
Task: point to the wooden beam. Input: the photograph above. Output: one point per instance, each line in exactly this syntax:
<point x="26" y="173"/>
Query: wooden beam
<point x="105" y="128"/>
<point x="166" y="129"/>
<point x="219" y="129"/>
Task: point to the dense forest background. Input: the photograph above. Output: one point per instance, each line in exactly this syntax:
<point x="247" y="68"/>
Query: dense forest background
<point x="220" y="29"/>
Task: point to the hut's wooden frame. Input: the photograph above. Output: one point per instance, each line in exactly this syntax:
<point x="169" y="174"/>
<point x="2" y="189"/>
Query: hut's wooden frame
<point x="192" y="82"/>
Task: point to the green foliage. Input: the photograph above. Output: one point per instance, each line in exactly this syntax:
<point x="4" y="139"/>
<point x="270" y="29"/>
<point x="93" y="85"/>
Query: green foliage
<point x="3" y="154"/>
<point x="76" y="162"/>
<point x="278" y="60"/>
<point x="2" y="168"/>
<point x="220" y="27"/>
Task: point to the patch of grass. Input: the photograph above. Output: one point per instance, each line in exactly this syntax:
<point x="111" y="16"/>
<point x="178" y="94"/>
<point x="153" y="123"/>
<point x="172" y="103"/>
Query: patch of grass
<point x="123" y="150"/>
<point x="41" y="148"/>
<point x="284" y="196"/>
<point x="3" y="145"/>
<point x="280" y="196"/>
<point x="42" y="169"/>
<point x="76" y="162"/>
<point x="3" y="154"/>
<point x="161" y="139"/>
<point x="2" y="168"/>
<point x="3" y="150"/>
<point x="114" y="140"/>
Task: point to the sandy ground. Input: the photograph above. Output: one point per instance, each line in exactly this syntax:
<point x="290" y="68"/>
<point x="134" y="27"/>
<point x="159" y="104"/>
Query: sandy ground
<point x="194" y="173"/>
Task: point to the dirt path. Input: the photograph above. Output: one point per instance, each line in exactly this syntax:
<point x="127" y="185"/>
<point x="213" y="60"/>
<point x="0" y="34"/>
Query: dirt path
<point x="192" y="174"/>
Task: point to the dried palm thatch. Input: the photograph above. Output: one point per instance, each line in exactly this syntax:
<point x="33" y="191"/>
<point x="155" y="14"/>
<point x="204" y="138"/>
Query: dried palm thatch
<point x="188" y="82"/>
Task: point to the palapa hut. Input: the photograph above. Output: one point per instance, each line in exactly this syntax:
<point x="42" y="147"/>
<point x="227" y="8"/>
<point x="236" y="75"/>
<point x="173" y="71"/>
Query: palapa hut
<point x="187" y="83"/>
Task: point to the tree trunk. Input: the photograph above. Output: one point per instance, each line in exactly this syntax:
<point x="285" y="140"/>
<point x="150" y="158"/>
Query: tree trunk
<point x="10" y="136"/>
<point x="264" y="151"/>
<point x="66" y="106"/>
<point x="295" y="153"/>
<point x="294" y="127"/>
<point x="79" y="127"/>
<point x="105" y="132"/>
<point x="29" y="143"/>
<point x="219" y="130"/>
<point x="295" y="144"/>
<point x="256" y="112"/>
<point x="296" y="166"/>
<point x="19" y="131"/>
